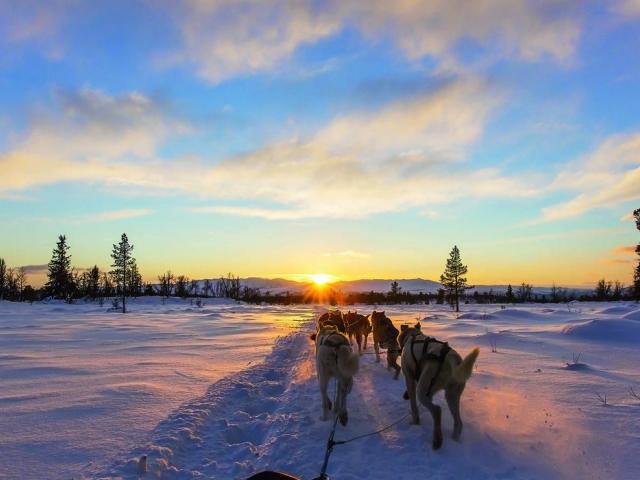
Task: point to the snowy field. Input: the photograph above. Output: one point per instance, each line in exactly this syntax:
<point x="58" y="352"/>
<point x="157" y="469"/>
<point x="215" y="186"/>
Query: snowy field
<point x="85" y="393"/>
<point x="79" y="385"/>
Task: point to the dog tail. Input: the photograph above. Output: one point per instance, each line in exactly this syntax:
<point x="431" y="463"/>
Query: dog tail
<point x="348" y="361"/>
<point x="463" y="371"/>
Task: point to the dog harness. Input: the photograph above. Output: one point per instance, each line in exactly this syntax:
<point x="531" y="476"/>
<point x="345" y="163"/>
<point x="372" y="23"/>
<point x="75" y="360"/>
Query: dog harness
<point x="330" y="343"/>
<point x="390" y="340"/>
<point x="425" y="355"/>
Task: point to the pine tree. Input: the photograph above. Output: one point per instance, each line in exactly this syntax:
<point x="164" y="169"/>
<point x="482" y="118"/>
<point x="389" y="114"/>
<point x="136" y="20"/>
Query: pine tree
<point x="93" y="282"/>
<point x="453" y="279"/>
<point x="21" y="281"/>
<point x="135" y="284"/>
<point x="122" y="266"/>
<point x="510" y="296"/>
<point x="60" y="278"/>
<point x="636" y="273"/>
<point x="3" y="277"/>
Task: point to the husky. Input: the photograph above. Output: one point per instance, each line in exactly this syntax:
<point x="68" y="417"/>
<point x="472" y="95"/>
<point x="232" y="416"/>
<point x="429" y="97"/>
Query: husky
<point x="335" y="358"/>
<point x="428" y="366"/>
<point x="385" y="335"/>
<point x="357" y="326"/>
<point x="334" y="318"/>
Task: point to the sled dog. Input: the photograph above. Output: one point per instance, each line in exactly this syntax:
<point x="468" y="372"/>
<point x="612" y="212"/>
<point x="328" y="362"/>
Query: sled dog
<point x="357" y="326"/>
<point x="428" y="366"/>
<point x="334" y="318"/>
<point x="335" y="359"/>
<point x="385" y="335"/>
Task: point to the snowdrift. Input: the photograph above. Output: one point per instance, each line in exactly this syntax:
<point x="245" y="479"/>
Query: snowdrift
<point x="606" y="330"/>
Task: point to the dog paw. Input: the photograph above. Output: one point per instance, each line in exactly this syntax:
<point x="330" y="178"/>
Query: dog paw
<point x="344" y="419"/>
<point x="415" y="421"/>
<point x="437" y="442"/>
<point x="405" y="395"/>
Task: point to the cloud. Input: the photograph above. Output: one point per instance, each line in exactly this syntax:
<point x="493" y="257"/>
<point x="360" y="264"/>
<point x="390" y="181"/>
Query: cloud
<point x="30" y="22"/>
<point x="90" y="137"/>
<point x="627" y="8"/>
<point x="608" y="176"/>
<point x="408" y="154"/>
<point x="269" y="214"/>
<point x="625" y="250"/>
<point x="123" y="214"/>
<point x="35" y="269"/>
<point x="227" y="38"/>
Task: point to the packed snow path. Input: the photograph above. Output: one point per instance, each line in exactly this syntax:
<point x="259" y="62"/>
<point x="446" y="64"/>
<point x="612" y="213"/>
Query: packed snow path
<point x="527" y="414"/>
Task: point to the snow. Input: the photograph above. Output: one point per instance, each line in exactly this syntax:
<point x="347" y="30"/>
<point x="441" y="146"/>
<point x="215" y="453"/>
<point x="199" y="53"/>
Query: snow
<point x="79" y="385"/>
<point x="88" y="393"/>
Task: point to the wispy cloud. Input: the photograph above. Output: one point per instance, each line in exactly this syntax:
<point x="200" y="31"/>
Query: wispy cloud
<point x="98" y="217"/>
<point x="35" y="269"/>
<point x="230" y="38"/>
<point x="122" y="214"/>
<point x="627" y="8"/>
<point x="625" y="250"/>
<point x="608" y="176"/>
<point x="267" y="213"/>
<point x="408" y="154"/>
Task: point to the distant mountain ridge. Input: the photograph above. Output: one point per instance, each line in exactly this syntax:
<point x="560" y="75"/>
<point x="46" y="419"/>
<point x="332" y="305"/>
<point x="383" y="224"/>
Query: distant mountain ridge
<point x="378" y="285"/>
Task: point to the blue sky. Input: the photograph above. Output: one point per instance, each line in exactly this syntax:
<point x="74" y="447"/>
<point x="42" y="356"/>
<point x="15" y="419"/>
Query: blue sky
<point x="362" y="139"/>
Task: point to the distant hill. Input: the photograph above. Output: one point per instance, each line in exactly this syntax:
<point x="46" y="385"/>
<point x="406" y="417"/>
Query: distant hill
<point x="380" y="285"/>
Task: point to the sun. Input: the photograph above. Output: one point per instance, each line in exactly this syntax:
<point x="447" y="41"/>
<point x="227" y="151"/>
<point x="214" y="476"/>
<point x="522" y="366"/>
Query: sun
<point x="320" y="279"/>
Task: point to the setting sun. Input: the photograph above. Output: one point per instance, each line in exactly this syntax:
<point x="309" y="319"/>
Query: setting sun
<point x="321" y="278"/>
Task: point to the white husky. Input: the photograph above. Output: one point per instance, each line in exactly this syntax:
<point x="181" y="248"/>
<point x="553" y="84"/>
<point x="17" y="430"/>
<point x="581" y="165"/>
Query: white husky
<point x="335" y="358"/>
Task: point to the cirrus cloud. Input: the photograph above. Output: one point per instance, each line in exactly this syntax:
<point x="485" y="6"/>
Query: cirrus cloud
<point x="224" y="39"/>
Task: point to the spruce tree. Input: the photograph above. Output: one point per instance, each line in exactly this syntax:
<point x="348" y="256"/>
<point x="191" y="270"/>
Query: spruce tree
<point x="453" y="279"/>
<point x="60" y="278"/>
<point x="510" y="296"/>
<point x="122" y="266"/>
<point x="3" y="277"/>
<point x="93" y="282"/>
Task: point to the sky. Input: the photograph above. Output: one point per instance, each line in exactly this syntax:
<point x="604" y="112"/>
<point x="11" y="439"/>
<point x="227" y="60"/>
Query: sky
<point x="359" y="139"/>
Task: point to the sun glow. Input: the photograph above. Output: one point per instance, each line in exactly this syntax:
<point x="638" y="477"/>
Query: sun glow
<point x="320" y="279"/>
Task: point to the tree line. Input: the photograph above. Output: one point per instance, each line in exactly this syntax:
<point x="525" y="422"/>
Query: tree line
<point x="124" y="280"/>
<point x="68" y="283"/>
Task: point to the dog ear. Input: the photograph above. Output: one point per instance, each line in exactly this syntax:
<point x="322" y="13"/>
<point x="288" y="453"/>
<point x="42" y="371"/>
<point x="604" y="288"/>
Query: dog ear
<point x="418" y="326"/>
<point x="404" y="327"/>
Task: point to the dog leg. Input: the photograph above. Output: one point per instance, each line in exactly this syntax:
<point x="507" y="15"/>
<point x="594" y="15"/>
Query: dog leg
<point x="453" y="394"/>
<point x="392" y="362"/>
<point x="436" y="413"/>
<point x="376" y="347"/>
<point x="343" y="416"/>
<point x="326" y="403"/>
<point x="411" y="395"/>
<point x="359" y="341"/>
<point x="366" y="337"/>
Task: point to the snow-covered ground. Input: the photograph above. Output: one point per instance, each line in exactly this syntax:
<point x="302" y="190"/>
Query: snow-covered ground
<point x="79" y="385"/>
<point x="83" y="384"/>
